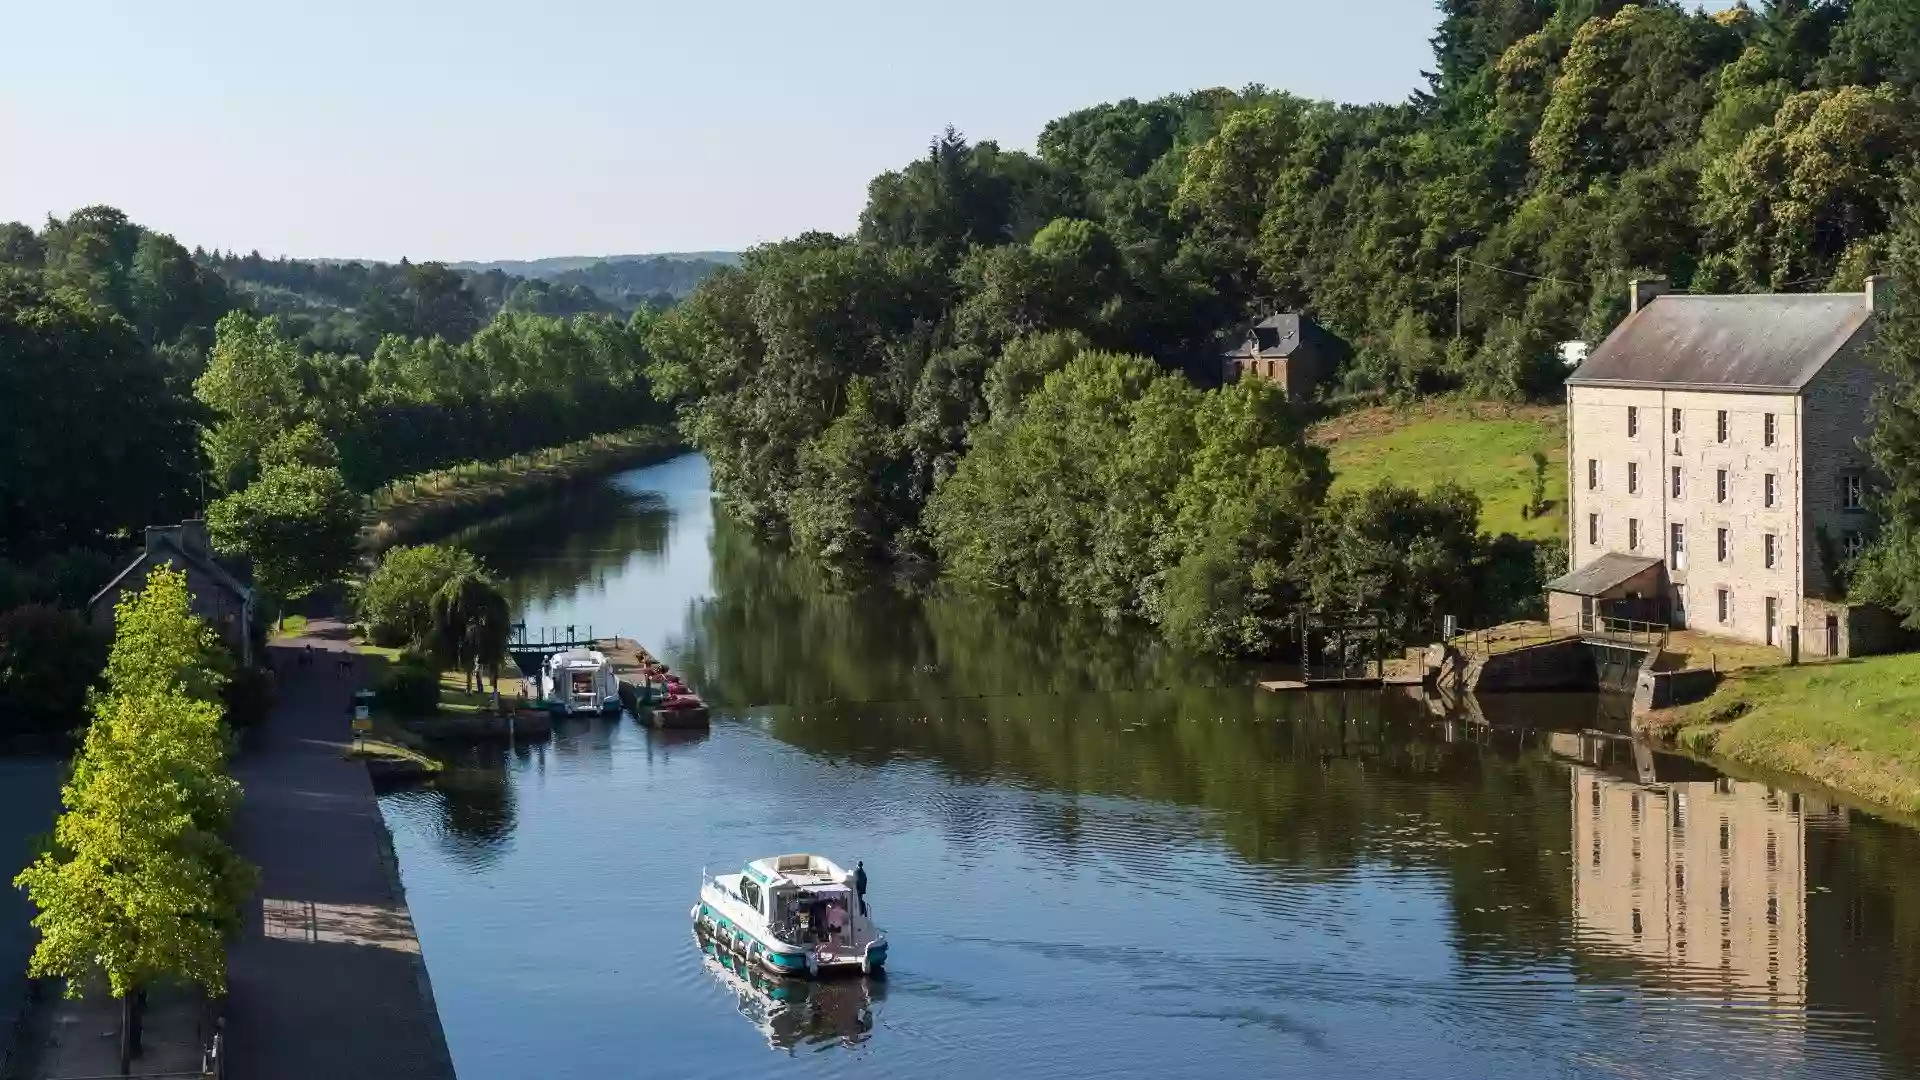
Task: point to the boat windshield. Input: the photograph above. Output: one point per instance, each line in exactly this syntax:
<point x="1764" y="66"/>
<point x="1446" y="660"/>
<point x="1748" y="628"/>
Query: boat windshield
<point x="811" y="914"/>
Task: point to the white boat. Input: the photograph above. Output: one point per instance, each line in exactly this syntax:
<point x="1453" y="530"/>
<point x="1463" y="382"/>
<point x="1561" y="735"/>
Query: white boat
<point x="580" y="682"/>
<point x="792" y="915"/>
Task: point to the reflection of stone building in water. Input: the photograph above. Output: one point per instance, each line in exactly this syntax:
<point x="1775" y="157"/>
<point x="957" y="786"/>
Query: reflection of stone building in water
<point x="1705" y="878"/>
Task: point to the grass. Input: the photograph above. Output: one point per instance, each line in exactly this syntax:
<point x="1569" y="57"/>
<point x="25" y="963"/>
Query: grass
<point x="455" y="698"/>
<point x="381" y="749"/>
<point x="1851" y="725"/>
<point x="290" y="626"/>
<point x="1691" y="649"/>
<point x="1485" y="447"/>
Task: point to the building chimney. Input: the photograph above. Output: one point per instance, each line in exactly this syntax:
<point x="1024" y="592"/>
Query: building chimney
<point x="1641" y="291"/>
<point x="193" y="537"/>
<point x="1879" y="294"/>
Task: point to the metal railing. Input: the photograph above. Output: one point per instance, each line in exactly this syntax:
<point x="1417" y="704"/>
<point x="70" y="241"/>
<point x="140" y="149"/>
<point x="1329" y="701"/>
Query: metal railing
<point x="1596" y="627"/>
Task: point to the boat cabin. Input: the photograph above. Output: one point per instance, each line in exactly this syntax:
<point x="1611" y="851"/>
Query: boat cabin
<point x="805" y="899"/>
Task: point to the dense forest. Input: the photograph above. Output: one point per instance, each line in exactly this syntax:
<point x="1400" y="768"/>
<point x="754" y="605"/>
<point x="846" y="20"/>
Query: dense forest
<point x="139" y="385"/>
<point x="1009" y="369"/>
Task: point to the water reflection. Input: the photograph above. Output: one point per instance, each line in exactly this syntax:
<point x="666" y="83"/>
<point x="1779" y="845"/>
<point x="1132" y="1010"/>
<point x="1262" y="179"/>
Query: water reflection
<point x="796" y="1012"/>
<point x="1142" y="865"/>
<point x="1704" y="879"/>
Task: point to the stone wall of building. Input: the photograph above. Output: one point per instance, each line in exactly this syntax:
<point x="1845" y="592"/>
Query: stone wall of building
<point x="1837" y="417"/>
<point x="1622" y="450"/>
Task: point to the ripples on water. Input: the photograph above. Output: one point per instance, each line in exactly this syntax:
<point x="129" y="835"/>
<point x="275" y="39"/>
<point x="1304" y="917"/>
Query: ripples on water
<point x="1082" y="885"/>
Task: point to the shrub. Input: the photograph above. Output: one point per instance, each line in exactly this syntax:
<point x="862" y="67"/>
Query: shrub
<point x="411" y="686"/>
<point x="49" y="659"/>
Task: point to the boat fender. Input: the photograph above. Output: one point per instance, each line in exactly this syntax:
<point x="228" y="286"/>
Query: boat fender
<point x="813" y="965"/>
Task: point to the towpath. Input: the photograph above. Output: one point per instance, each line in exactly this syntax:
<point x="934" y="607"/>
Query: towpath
<point x="327" y="980"/>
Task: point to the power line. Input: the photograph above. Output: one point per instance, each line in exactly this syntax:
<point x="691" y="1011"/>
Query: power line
<point x="1519" y="273"/>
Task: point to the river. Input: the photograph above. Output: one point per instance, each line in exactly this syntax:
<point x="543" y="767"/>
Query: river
<point x="1095" y="858"/>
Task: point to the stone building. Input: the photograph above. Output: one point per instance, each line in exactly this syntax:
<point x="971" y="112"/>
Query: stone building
<point x="1290" y="349"/>
<point x="218" y="596"/>
<point x="1717" y="467"/>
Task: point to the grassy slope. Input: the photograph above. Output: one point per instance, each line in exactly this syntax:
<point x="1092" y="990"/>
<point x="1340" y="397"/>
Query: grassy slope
<point x="1852" y="725"/>
<point x="1485" y="447"/>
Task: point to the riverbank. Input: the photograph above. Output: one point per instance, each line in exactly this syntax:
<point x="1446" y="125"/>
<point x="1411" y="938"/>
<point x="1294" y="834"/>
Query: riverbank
<point x="1849" y="725"/>
<point x="327" y="978"/>
<point x="433" y="503"/>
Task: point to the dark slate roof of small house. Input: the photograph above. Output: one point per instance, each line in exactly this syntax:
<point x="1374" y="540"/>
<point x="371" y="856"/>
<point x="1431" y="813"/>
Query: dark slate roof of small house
<point x="1771" y="341"/>
<point x="1609" y="571"/>
<point x="167" y="550"/>
<point x="1277" y="337"/>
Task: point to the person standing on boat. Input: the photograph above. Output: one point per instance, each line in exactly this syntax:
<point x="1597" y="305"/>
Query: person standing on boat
<point x="860" y="884"/>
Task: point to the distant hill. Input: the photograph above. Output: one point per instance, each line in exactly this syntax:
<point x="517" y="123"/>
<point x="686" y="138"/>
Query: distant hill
<point x="560" y="264"/>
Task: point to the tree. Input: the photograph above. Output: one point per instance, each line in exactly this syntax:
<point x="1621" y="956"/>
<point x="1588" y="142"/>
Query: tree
<point x="1888" y="571"/>
<point x="1799" y="191"/>
<point x="93" y="441"/>
<point x="297" y="522"/>
<point x="140" y="885"/>
<point x="396" y="599"/>
<point x="252" y="382"/>
<point x="472" y="623"/>
<point x="1408" y="555"/>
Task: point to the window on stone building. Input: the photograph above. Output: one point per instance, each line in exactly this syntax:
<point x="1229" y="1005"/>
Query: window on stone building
<point x="1720" y="426"/>
<point x="1633" y="421"/>
<point x="1771" y="546"/>
<point x="1767" y="430"/>
<point x="1852" y="492"/>
<point x="1676" y="421"/>
<point x="1593" y="530"/>
<point x="1677" y="547"/>
<point x="1851" y="542"/>
<point x="1593" y="473"/>
<point x="1725" y="599"/>
<point x="1633" y="534"/>
<point x="1771" y="485"/>
<point x="1722" y="544"/>
<point x="1676" y="481"/>
<point x="1720" y="485"/>
<point x="1633" y="477"/>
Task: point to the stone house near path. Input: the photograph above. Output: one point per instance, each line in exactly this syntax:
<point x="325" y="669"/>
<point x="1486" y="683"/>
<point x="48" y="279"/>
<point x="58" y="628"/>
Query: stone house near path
<point x="1289" y="349"/>
<point x="219" y="597"/>
<point x="1718" y="470"/>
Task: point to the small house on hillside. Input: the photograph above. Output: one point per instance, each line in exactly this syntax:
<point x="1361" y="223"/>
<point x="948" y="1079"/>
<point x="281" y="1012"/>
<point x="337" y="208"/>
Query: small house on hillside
<point x="1718" y="467"/>
<point x="219" y="596"/>
<point x="1290" y="349"/>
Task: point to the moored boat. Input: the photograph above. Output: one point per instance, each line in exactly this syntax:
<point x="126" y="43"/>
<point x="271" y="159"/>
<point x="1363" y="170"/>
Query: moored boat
<point x="580" y="682"/>
<point x="792" y="915"/>
<point x="680" y="710"/>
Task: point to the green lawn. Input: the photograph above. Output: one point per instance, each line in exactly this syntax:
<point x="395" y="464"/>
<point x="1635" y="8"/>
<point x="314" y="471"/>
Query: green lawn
<point x="1485" y="448"/>
<point x="1852" y="725"/>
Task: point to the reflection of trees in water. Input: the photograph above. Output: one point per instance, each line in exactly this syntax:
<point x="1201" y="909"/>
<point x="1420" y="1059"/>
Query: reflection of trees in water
<point x="775" y="633"/>
<point x="470" y="803"/>
<point x="545" y="550"/>
<point x="1863" y="927"/>
<point x="1314" y="782"/>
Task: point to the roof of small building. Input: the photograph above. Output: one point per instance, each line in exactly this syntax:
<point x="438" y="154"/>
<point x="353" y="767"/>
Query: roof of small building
<point x="167" y="550"/>
<point x="1609" y="571"/>
<point x="1272" y="338"/>
<point x="1769" y="341"/>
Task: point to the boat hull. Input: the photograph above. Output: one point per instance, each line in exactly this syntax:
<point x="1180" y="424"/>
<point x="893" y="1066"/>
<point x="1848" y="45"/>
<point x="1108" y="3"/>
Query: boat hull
<point x="778" y="957"/>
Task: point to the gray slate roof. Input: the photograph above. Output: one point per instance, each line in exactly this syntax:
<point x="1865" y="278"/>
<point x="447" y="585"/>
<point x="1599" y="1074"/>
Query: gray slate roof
<point x="168" y="551"/>
<point x="1276" y="337"/>
<point x="1606" y="572"/>
<point x="1769" y="341"/>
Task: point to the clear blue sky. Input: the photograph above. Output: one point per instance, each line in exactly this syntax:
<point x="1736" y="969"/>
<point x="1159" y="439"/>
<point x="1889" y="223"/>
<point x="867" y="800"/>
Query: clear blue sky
<point x="487" y="129"/>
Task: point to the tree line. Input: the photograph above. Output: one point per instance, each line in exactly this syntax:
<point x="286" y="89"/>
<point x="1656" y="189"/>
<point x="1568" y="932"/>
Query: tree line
<point x="1010" y="369"/>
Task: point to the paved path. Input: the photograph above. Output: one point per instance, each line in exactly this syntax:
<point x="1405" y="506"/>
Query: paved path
<point x="327" y="981"/>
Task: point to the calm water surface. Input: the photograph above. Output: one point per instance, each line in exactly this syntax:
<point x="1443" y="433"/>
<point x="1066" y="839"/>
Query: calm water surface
<point x="1093" y="864"/>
